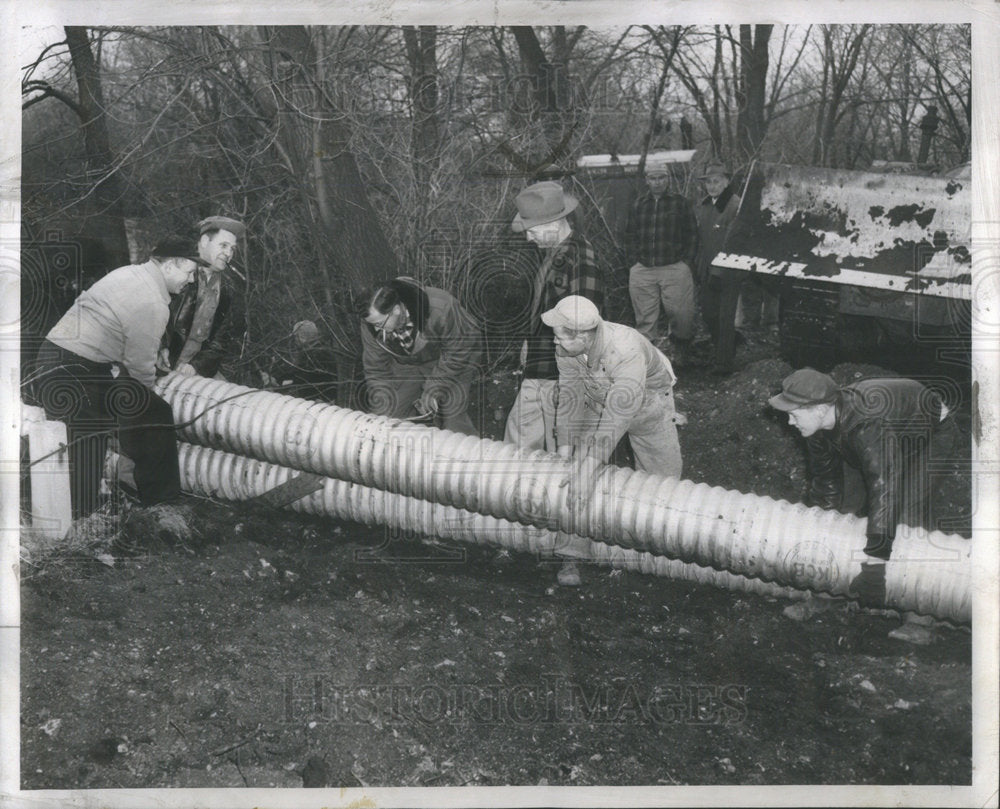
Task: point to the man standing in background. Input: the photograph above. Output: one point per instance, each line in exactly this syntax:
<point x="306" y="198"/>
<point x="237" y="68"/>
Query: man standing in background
<point x="720" y="287"/>
<point x="661" y="243"/>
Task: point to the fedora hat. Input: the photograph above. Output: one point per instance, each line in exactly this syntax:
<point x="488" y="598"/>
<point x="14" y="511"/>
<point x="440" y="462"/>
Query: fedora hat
<point x="541" y="203"/>
<point x="212" y="223"/>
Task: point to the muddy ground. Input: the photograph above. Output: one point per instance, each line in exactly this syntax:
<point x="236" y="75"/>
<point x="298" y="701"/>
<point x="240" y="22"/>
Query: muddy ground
<point x="282" y="650"/>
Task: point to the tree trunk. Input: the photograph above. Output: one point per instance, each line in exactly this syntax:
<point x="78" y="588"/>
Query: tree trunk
<point x="108" y="185"/>
<point x="425" y="138"/>
<point x="351" y="245"/>
<point x="553" y="103"/>
<point x="751" y="126"/>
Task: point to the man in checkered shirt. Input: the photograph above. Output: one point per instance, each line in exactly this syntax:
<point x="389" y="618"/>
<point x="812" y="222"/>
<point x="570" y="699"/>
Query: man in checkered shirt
<point x="661" y="242"/>
<point x="569" y="267"/>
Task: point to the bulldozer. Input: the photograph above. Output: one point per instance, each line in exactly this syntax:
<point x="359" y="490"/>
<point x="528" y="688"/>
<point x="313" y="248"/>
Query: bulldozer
<point x="868" y="265"/>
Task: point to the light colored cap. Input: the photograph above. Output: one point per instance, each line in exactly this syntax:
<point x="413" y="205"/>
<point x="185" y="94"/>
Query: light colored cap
<point x="573" y="312"/>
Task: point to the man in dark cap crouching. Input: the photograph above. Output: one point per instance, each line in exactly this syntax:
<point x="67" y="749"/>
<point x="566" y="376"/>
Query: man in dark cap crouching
<point x="867" y="447"/>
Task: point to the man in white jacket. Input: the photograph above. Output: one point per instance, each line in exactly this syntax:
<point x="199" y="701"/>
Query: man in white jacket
<point x="97" y="369"/>
<point x="612" y="381"/>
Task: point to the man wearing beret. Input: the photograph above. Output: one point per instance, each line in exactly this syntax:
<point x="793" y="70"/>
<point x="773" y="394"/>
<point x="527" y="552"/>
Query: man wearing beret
<point x="191" y="343"/>
<point x="568" y="267"/>
<point x="97" y="368"/>
<point x="612" y="381"/>
<point x="867" y="447"/>
<point x="661" y="242"/>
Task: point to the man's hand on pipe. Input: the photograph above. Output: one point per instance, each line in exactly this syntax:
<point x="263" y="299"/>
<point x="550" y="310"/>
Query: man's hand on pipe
<point x="583" y="471"/>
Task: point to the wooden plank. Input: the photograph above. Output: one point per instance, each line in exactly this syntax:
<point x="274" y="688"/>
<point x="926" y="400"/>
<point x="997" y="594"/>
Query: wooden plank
<point x="291" y="490"/>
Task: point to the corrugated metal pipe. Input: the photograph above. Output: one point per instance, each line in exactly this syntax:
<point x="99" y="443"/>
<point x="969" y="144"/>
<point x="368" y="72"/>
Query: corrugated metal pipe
<point x="223" y="475"/>
<point x="749" y="535"/>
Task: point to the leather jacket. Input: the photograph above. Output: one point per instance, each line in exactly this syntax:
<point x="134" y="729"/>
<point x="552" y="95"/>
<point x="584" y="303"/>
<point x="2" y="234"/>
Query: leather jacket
<point x="880" y="424"/>
<point x="182" y="305"/>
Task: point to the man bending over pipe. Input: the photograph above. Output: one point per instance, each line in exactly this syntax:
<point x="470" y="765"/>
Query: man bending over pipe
<point x="867" y="448"/>
<point x="421" y="352"/>
<point x="612" y="381"/>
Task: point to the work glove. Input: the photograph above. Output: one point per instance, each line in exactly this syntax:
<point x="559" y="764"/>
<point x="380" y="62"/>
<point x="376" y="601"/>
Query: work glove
<point x="868" y="587"/>
<point x="427" y="404"/>
<point x="583" y="472"/>
<point x="879" y="546"/>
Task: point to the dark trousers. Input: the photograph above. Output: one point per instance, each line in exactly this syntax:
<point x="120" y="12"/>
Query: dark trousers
<point x="719" y="297"/>
<point x="95" y="405"/>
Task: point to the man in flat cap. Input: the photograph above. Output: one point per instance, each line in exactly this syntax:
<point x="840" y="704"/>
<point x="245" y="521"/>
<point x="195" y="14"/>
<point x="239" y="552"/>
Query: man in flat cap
<point x="568" y="267"/>
<point x="661" y="243"/>
<point x="612" y="381"/>
<point x="97" y="368"/>
<point x="191" y="344"/>
<point x="867" y="446"/>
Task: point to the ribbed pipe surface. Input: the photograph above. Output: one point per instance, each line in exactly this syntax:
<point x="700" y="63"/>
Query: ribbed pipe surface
<point x="750" y="535"/>
<point x="223" y="475"/>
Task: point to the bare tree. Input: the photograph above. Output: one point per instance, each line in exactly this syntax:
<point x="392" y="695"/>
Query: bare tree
<point x="841" y="46"/>
<point x="751" y="94"/>
<point x="102" y="178"/>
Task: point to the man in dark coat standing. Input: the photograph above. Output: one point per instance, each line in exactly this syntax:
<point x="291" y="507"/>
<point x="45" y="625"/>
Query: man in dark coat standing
<point x="720" y="287"/>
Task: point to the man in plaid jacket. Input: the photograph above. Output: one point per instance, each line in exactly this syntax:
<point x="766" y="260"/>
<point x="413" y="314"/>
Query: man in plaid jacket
<point x="569" y="267"/>
<point x="661" y="242"/>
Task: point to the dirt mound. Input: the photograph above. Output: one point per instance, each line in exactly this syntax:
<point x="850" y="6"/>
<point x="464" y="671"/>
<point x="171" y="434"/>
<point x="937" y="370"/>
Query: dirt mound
<point x="738" y="441"/>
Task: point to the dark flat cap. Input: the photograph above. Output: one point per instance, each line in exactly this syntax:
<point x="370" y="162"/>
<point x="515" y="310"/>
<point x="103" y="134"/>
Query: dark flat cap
<point x="221" y="223"/>
<point x="176" y="246"/>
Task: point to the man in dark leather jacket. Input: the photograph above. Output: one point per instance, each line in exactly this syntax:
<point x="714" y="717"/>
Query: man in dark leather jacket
<point x="191" y="342"/>
<point x="866" y="445"/>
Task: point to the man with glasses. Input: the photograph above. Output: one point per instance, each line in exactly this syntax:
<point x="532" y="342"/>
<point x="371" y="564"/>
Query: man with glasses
<point x="421" y="352"/>
<point x="568" y="267"/>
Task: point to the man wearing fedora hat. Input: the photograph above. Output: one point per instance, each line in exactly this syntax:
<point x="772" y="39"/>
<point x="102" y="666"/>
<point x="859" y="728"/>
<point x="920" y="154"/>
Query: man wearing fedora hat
<point x="191" y="343"/>
<point x="661" y="243"/>
<point x="97" y="368"/>
<point x="568" y="267"/>
<point x="719" y="286"/>
<point x="867" y="446"/>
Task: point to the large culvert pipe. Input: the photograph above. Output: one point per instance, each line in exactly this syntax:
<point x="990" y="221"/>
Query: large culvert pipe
<point x="215" y="473"/>
<point x="749" y="535"/>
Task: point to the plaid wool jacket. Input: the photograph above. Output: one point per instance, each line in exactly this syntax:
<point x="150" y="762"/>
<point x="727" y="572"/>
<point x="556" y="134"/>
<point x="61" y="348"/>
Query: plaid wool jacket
<point x="573" y="270"/>
<point x="661" y="230"/>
